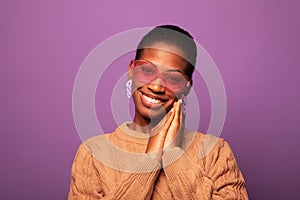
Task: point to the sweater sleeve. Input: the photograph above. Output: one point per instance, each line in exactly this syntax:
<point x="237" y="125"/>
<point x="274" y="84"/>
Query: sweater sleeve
<point x="185" y="178"/>
<point x="215" y="177"/>
<point x="87" y="183"/>
<point x="227" y="179"/>
<point x="85" y="180"/>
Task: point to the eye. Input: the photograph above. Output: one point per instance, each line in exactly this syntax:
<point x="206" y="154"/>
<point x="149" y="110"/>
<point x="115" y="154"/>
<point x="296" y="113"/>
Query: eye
<point x="147" y="70"/>
<point x="175" y="78"/>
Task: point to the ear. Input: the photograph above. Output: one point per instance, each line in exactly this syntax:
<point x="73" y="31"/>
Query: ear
<point x="187" y="90"/>
<point x="130" y="72"/>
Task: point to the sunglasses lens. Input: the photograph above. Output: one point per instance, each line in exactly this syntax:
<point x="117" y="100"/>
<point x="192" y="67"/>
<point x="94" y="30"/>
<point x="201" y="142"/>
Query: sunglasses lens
<point x="145" y="72"/>
<point x="175" y="81"/>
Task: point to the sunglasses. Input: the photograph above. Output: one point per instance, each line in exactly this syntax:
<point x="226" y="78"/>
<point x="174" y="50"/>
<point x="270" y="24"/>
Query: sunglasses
<point x="146" y="72"/>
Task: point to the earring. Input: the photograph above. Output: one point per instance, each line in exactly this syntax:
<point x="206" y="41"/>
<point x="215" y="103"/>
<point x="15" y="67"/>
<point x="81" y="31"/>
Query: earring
<point x="128" y="88"/>
<point x="184" y="104"/>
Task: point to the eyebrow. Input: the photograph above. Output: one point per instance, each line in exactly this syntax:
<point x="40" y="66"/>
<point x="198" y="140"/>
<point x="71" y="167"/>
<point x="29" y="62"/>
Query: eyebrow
<point x="174" y="70"/>
<point x="168" y="70"/>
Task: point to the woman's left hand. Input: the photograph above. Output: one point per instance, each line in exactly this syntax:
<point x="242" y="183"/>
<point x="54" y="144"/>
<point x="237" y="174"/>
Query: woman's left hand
<point x="174" y="136"/>
<point x="167" y="134"/>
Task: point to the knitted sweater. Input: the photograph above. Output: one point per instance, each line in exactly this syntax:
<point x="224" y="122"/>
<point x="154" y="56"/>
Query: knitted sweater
<point x="114" y="166"/>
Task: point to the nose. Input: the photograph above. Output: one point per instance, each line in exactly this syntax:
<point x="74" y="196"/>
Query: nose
<point x="157" y="86"/>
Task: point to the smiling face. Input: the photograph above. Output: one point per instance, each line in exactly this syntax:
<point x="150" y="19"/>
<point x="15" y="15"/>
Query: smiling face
<point x="154" y="100"/>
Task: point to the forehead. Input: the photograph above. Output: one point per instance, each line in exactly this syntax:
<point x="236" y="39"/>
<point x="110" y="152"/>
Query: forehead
<point x="165" y="57"/>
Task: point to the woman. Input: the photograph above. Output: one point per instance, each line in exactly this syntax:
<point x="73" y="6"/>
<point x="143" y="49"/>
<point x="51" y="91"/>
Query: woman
<point x="155" y="156"/>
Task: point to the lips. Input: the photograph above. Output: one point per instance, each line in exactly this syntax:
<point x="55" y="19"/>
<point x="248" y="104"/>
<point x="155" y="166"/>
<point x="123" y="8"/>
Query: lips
<point x="151" y="101"/>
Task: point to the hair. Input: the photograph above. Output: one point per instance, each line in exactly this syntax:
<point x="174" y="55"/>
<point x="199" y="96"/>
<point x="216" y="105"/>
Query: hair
<point x="173" y="35"/>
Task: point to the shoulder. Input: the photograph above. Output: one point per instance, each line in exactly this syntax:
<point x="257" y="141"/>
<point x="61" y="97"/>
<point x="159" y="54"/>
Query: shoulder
<point x="210" y="144"/>
<point x="94" y="149"/>
<point x="92" y="144"/>
<point x="214" y="152"/>
<point x="206" y="145"/>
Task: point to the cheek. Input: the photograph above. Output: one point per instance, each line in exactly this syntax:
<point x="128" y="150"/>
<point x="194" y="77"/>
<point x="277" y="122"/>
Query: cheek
<point x="136" y="99"/>
<point x="172" y="99"/>
<point x="174" y="96"/>
<point x="136" y="85"/>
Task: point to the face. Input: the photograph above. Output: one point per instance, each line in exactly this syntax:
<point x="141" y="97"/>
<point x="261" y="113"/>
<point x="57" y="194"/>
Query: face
<point x="153" y="100"/>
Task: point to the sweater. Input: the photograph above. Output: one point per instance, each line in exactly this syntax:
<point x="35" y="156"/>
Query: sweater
<point x="114" y="166"/>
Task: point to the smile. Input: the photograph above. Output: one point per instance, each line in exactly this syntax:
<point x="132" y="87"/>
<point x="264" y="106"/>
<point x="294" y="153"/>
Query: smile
<point x="150" y="100"/>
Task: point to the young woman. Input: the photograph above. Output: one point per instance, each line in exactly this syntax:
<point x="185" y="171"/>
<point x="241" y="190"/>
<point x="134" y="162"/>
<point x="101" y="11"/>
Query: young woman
<point x="155" y="156"/>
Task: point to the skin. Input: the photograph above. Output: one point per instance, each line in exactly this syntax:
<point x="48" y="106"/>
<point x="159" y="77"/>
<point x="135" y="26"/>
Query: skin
<point x="146" y="116"/>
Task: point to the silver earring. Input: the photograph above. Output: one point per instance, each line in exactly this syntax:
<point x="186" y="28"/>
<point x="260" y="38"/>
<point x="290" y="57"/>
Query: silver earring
<point x="184" y="104"/>
<point x="128" y="88"/>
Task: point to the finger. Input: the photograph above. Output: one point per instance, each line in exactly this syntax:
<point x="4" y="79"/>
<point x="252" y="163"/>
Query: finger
<point x="181" y="115"/>
<point x="170" y="140"/>
<point x="176" y="121"/>
<point x="180" y="112"/>
<point x="169" y="120"/>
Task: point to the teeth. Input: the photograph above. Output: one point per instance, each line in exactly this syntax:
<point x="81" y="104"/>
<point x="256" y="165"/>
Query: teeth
<point x="150" y="100"/>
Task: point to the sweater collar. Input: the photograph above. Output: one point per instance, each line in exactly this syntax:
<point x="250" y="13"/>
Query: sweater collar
<point x="124" y="133"/>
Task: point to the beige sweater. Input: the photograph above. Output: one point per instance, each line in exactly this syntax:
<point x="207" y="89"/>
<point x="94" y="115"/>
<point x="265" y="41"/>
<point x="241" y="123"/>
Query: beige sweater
<point x="114" y="166"/>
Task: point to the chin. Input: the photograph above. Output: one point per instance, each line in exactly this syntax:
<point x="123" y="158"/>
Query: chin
<point x="152" y="115"/>
<point x="151" y="111"/>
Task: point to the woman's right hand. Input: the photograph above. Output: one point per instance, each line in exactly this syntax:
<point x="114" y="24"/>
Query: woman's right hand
<point x="166" y="135"/>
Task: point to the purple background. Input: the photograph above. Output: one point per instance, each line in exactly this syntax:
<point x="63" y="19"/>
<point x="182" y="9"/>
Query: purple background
<point x="255" y="44"/>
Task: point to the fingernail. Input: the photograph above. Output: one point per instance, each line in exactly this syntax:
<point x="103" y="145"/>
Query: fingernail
<point x="180" y="101"/>
<point x="172" y="110"/>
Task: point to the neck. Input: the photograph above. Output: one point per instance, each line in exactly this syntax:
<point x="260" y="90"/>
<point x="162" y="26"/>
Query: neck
<point x="144" y="125"/>
<point x="140" y="129"/>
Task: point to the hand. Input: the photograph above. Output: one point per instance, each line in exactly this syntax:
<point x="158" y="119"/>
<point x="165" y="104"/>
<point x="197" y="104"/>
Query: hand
<point x="174" y="136"/>
<point x="167" y="136"/>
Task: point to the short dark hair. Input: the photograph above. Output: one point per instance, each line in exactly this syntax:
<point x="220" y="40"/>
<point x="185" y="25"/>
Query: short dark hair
<point x="173" y="35"/>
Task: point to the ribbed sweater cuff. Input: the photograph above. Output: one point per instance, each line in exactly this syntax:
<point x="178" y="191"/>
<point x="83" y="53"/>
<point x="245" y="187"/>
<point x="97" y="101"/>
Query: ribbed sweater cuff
<point x="146" y="170"/>
<point x="175" y="160"/>
<point x="171" y="155"/>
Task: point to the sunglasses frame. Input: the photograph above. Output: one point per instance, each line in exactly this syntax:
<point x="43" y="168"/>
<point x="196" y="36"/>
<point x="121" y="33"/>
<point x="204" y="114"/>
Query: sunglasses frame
<point x="132" y="66"/>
